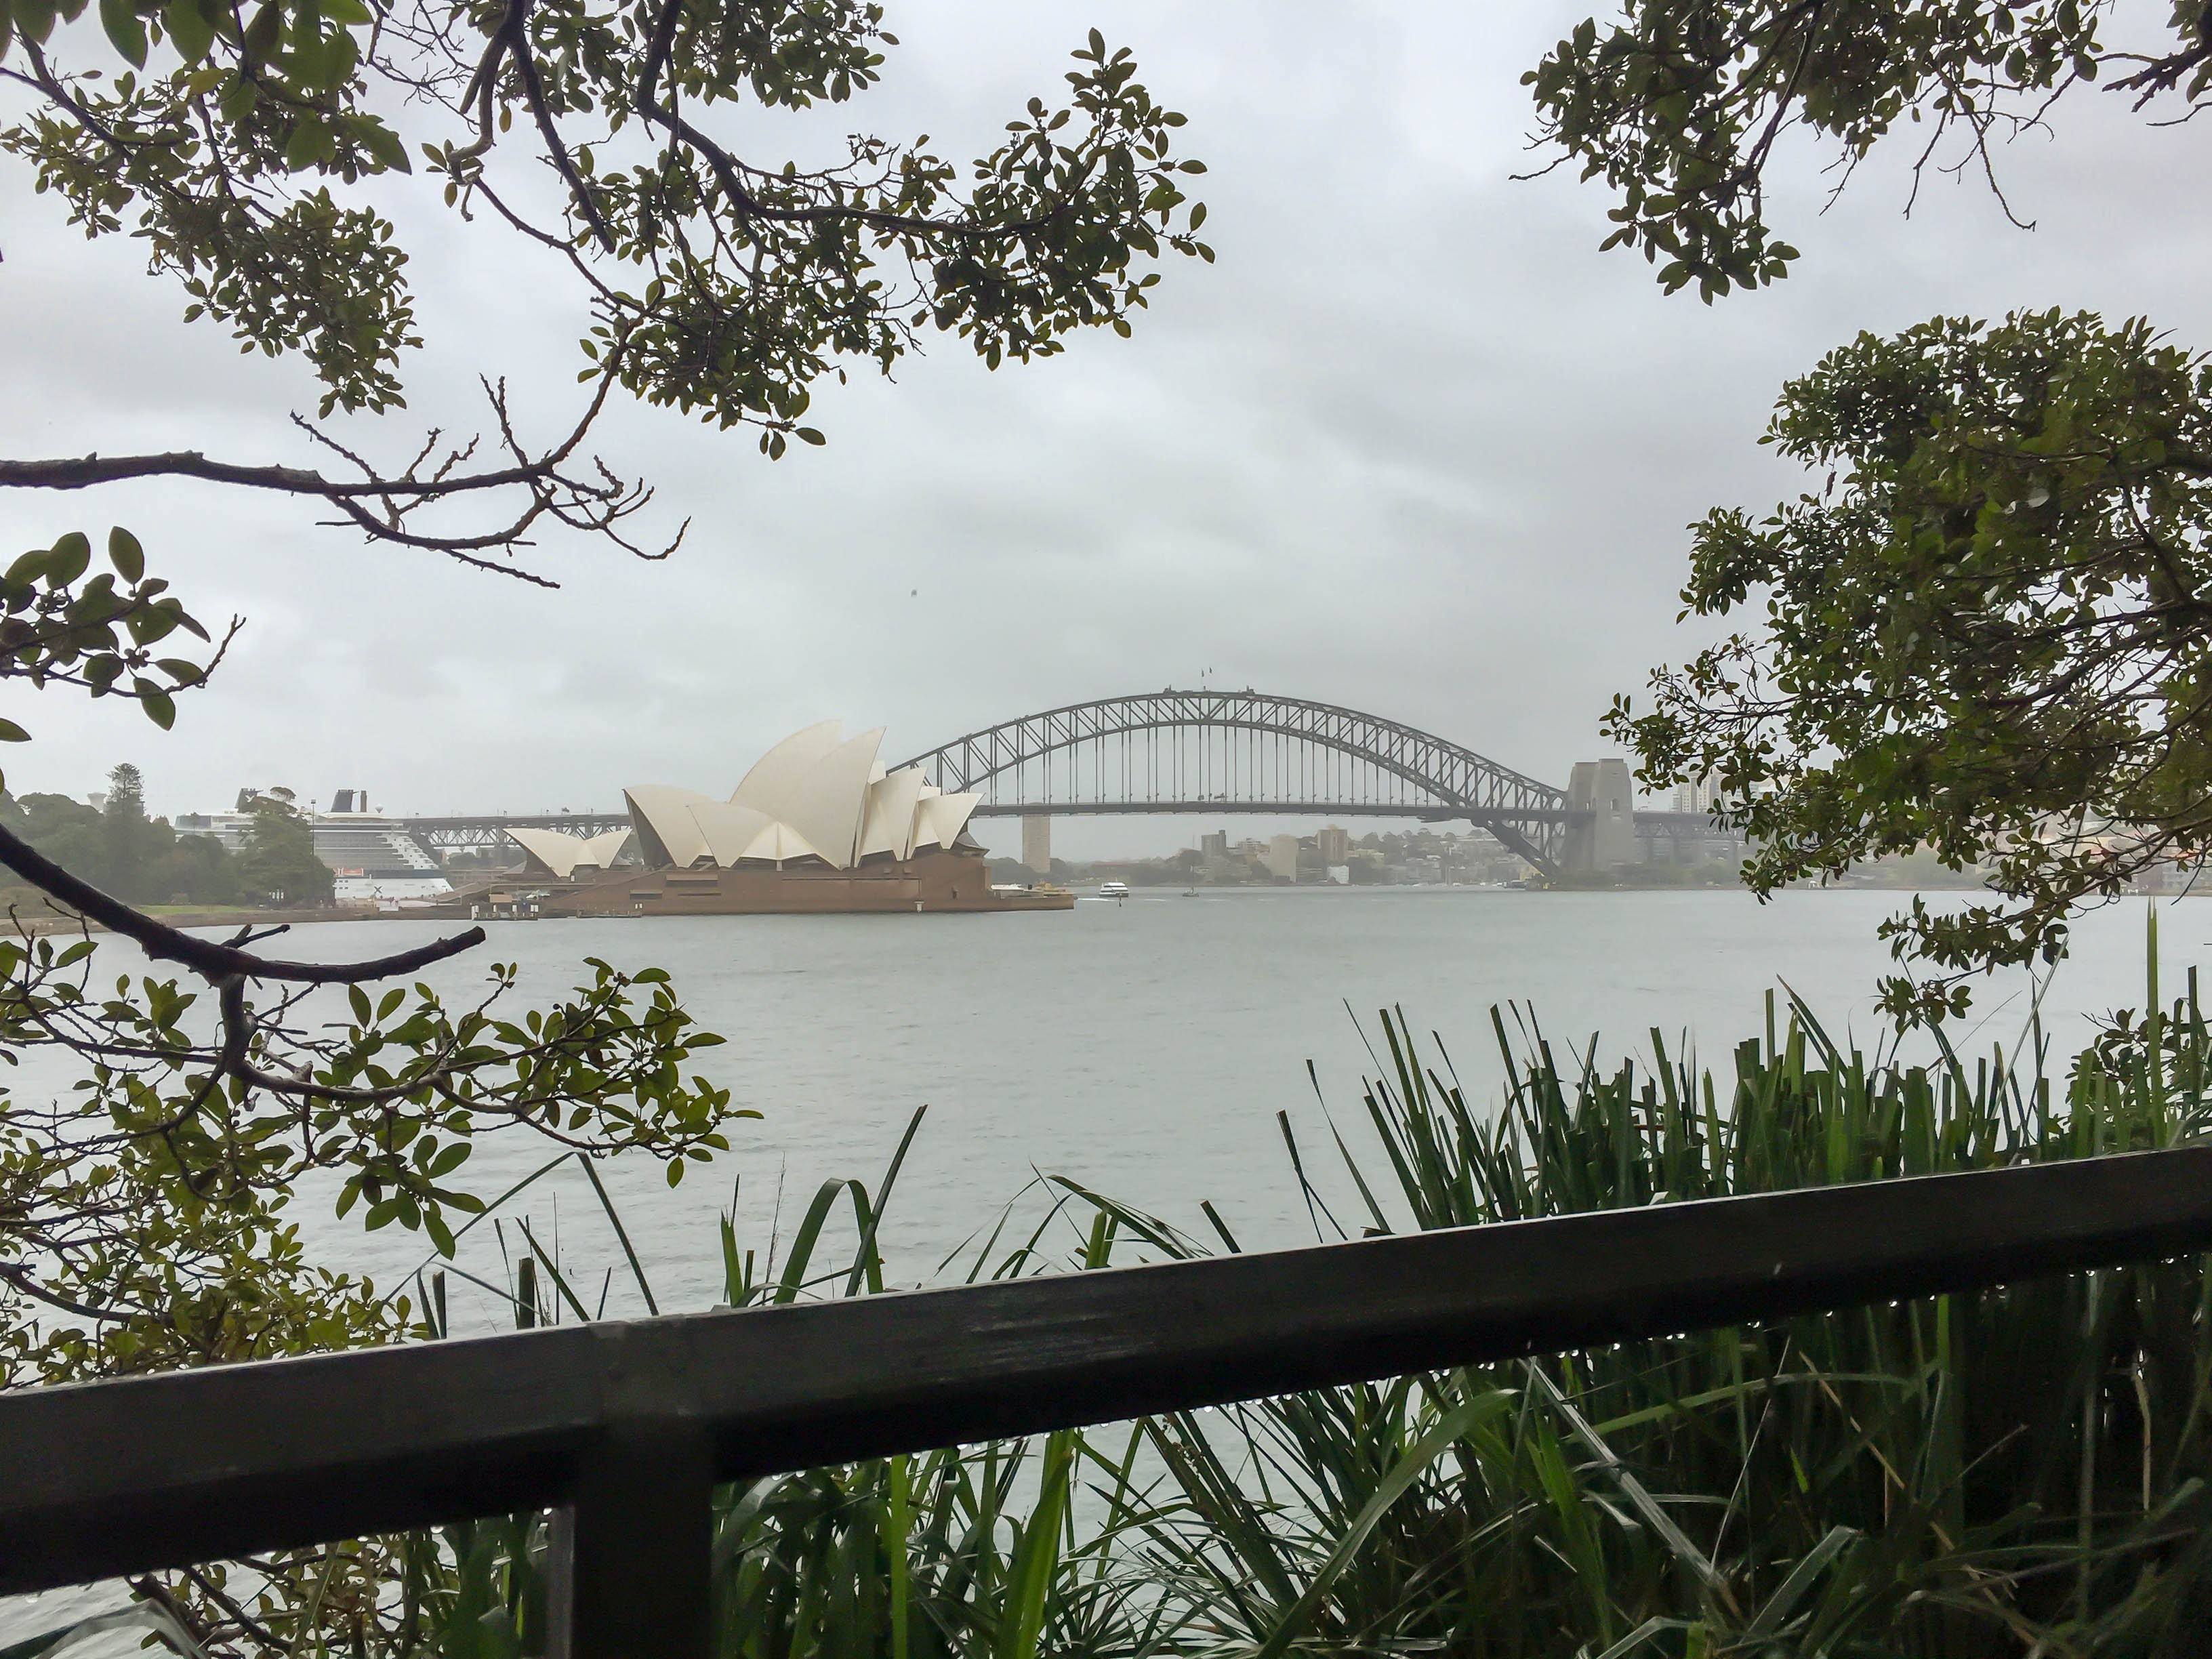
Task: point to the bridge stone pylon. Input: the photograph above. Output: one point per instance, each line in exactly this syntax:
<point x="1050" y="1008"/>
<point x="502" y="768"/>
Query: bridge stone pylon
<point x="1601" y="817"/>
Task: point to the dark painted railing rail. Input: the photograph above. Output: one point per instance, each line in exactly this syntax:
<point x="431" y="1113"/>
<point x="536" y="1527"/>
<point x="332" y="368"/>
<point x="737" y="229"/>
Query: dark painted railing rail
<point x="624" y="1427"/>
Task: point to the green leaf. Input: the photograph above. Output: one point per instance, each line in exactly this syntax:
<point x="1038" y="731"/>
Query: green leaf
<point x="33" y="19"/>
<point x="386" y="146"/>
<point x="66" y="558"/>
<point x="11" y="732"/>
<point x="261" y="34"/>
<point x="160" y="708"/>
<point x="310" y="144"/>
<point x="189" y="33"/>
<point x="125" y="32"/>
<point x="450" y="1157"/>
<point x="153" y="623"/>
<point x="124" y="553"/>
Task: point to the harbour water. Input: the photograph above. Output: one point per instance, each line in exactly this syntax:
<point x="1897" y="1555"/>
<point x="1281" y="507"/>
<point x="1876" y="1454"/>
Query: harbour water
<point x="1140" y="1048"/>
<point x="1143" y="1048"/>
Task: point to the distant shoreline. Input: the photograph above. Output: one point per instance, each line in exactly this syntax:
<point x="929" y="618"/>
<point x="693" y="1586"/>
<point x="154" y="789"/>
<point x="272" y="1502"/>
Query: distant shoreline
<point x="193" y="915"/>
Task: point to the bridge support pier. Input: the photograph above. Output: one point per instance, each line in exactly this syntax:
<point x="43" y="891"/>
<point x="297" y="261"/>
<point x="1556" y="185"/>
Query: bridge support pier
<point x="1036" y="842"/>
<point x="1601" y="817"/>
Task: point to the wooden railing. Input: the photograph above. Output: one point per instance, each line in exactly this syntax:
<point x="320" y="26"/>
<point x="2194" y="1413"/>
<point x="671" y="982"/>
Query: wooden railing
<point x="623" y="1428"/>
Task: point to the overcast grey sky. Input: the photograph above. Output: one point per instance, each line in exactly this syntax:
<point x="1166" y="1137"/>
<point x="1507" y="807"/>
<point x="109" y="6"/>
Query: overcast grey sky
<point x="1411" y="445"/>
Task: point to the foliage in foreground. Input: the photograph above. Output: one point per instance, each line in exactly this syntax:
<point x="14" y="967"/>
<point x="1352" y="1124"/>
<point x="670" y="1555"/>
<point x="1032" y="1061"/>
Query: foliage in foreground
<point x="1677" y="105"/>
<point x="146" y="1218"/>
<point x="1985" y="635"/>
<point x="2020" y="1471"/>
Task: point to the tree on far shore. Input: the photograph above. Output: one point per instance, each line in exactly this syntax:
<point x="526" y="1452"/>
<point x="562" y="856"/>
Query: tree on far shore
<point x="279" y="865"/>
<point x="137" y="858"/>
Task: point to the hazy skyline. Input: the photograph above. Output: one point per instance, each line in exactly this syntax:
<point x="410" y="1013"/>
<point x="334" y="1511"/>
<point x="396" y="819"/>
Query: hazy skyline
<point x="1411" y="445"/>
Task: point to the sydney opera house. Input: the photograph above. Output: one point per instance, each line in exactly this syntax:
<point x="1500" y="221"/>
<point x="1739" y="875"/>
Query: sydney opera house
<point x="817" y="825"/>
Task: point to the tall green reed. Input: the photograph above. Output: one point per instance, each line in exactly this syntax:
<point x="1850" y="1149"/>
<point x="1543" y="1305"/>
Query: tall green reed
<point x="2022" y="1471"/>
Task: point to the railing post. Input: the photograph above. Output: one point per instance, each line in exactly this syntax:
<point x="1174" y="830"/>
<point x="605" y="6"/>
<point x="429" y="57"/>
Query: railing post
<point x="629" y="1573"/>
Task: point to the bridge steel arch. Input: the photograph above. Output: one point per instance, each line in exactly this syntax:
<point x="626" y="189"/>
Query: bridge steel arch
<point x="1434" y="778"/>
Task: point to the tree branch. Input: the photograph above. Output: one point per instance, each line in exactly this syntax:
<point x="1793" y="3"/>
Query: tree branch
<point x="206" y="957"/>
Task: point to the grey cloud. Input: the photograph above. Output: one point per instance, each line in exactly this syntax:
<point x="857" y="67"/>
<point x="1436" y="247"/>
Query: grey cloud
<point x="1412" y="444"/>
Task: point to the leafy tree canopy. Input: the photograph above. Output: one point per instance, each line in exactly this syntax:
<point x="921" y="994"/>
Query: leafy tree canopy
<point x="1677" y="105"/>
<point x="247" y="150"/>
<point x="238" y="143"/>
<point x="1988" y="632"/>
<point x="144" y="1205"/>
<point x="1982" y="636"/>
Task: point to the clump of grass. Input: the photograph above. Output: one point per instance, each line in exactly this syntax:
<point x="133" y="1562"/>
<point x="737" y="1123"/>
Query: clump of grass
<point x="2019" y="1472"/>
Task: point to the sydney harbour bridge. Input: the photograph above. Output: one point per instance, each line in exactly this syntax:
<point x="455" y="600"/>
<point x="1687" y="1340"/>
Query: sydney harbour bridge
<point x="1225" y="753"/>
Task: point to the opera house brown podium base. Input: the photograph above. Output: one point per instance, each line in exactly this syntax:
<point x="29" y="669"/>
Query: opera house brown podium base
<point x="931" y="880"/>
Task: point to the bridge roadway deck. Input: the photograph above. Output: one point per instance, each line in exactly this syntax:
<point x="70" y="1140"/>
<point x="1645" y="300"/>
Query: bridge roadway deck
<point x="457" y="834"/>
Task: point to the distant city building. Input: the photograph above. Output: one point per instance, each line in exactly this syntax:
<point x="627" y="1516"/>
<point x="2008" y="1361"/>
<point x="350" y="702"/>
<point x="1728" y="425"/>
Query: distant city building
<point x="816" y="825"/>
<point x="1335" y="842"/>
<point x="1698" y="795"/>
<point x="1214" y="845"/>
<point x="1283" y="857"/>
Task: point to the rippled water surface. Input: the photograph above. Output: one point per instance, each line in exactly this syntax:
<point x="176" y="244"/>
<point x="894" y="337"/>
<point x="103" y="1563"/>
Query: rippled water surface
<point x="1143" y="1048"/>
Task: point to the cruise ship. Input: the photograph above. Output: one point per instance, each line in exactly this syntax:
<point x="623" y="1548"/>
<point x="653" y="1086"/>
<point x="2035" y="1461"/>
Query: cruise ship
<point x="372" y="856"/>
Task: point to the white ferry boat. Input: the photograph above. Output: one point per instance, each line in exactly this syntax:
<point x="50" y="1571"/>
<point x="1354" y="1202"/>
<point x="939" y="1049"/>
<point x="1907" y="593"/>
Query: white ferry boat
<point x="1114" y="889"/>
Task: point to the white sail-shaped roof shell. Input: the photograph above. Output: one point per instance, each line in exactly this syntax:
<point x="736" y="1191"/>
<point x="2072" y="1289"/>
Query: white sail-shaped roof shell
<point x="939" y="820"/>
<point x="887" y="820"/>
<point x="823" y="804"/>
<point x="814" y="795"/>
<point x="784" y="769"/>
<point x="666" y="816"/>
<point x="561" y="852"/>
<point x="779" y="841"/>
<point x="729" y="830"/>
<point x="603" y="849"/>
